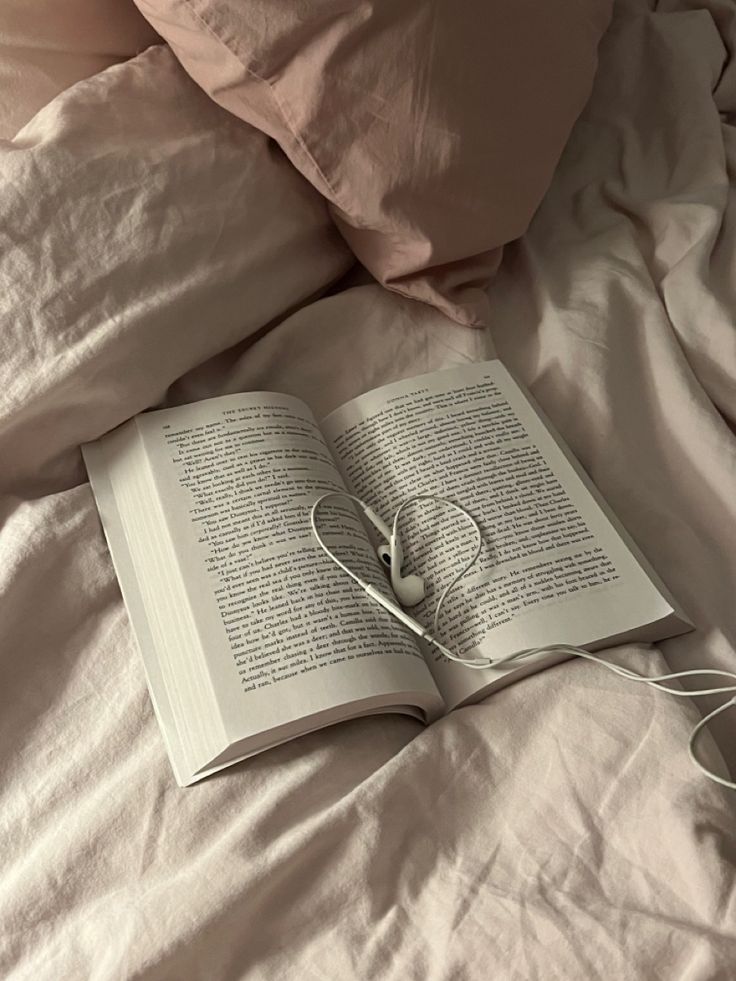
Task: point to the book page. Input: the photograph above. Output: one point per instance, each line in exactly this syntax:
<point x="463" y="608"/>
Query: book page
<point x="285" y="633"/>
<point x="553" y="569"/>
<point x="178" y="733"/>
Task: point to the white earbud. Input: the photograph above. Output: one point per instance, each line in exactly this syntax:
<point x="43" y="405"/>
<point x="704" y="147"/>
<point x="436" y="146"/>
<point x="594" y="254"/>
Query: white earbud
<point x="409" y="590"/>
<point x="384" y="554"/>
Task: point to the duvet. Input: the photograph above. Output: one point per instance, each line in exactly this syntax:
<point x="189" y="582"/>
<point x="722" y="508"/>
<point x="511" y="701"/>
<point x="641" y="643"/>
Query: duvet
<point x="156" y="250"/>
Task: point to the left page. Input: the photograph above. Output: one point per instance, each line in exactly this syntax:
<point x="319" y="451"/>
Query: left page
<point x="285" y="637"/>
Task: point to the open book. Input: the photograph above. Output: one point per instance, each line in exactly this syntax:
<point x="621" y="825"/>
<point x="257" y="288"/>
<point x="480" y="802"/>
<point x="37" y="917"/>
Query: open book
<point x="252" y="636"/>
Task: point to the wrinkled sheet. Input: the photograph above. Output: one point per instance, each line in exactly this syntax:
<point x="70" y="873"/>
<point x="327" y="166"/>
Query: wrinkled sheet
<point x="558" y="829"/>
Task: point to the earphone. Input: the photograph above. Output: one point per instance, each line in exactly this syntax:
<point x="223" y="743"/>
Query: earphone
<point x="410" y="590"/>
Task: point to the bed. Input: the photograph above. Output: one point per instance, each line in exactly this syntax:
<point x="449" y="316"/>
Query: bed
<point x="557" y="830"/>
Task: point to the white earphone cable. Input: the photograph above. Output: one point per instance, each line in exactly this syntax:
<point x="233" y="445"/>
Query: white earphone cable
<point x="321" y="541"/>
<point x="465" y="569"/>
<point x="731" y="703"/>
<point x="654" y="681"/>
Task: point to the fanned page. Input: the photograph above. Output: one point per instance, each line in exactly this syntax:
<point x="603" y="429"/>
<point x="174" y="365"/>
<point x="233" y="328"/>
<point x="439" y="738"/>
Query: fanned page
<point x="554" y="567"/>
<point x="284" y="638"/>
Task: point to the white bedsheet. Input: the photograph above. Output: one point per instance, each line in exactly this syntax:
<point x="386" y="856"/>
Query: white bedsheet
<point x="557" y="830"/>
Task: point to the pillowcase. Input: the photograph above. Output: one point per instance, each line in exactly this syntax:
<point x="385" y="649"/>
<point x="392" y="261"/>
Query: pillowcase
<point x="46" y="46"/>
<point x="432" y="128"/>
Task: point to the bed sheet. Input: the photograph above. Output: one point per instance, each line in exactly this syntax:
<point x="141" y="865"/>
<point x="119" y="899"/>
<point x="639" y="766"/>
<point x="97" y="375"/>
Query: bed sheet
<point x="619" y="307"/>
<point x="556" y="830"/>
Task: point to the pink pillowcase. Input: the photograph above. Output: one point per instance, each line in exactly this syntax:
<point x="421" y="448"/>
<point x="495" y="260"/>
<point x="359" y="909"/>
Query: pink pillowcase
<point x="432" y="128"/>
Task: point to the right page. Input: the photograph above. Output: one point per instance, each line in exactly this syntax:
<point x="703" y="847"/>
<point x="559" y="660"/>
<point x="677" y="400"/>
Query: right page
<point x="555" y="566"/>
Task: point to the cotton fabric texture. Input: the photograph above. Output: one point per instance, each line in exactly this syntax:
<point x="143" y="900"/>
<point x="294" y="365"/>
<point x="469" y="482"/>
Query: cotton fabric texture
<point x="46" y="46"/>
<point x="433" y="129"/>
<point x="157" y="250"/>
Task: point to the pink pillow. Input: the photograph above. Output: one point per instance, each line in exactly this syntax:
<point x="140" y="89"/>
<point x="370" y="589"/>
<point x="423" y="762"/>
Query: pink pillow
<point x="46" y="46"/>
<point x="432" y="128"/>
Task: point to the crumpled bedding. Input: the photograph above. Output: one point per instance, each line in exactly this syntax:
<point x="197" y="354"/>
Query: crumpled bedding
<point x="556" y="830"/>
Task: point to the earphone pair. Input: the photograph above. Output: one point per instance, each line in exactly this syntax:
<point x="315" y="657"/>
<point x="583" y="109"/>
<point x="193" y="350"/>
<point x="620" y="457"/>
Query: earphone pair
<point x="410" y="590"/>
